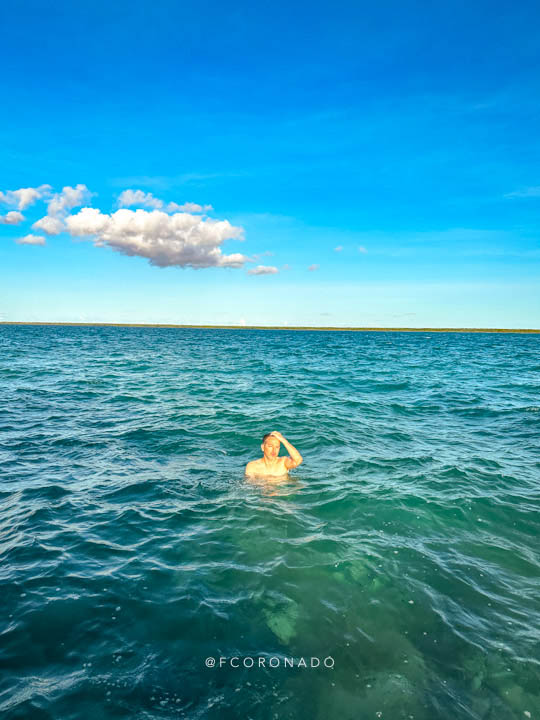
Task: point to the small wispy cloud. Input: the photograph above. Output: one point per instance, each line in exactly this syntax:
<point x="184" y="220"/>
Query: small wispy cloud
<point x="362" y="249"/>
<point x="128" y="198"/>
<point x="166" y="182"/>
<point x="139" y="198"/>
<point x="533" y="191"/>
<point x="339" y="248"/>
<point x="14" y="217"/>
<point x="24" y="197"/>
<point x="265" y="253"/>
<point x="312" y="268"/>
<point x="286" y="267"/>
<point x="31" y="240"/>
<point x="189" y="207"/>
<point x="263" y="270"/>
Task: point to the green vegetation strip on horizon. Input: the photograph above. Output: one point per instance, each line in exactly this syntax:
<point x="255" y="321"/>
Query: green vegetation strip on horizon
<point x="278" y="327"/>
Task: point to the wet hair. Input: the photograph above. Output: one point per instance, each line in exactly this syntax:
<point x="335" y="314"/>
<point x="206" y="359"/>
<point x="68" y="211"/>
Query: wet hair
<point x="266" y="436"/>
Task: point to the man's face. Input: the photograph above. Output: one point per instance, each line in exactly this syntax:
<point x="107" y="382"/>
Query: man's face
<point x="270" y="447"/>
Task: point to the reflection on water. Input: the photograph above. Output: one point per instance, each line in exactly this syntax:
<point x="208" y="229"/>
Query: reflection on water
<point x="281" y="486"/>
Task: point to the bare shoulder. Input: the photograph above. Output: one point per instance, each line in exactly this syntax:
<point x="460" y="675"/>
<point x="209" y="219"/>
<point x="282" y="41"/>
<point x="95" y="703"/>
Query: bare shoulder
<point x="252" y="466"/>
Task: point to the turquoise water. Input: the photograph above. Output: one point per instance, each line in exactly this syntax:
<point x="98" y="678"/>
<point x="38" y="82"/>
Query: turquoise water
<point x="405" y="548"/>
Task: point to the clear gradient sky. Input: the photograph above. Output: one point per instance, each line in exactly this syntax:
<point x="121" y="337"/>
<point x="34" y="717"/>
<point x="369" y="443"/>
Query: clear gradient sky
<point x="346" y="163"/>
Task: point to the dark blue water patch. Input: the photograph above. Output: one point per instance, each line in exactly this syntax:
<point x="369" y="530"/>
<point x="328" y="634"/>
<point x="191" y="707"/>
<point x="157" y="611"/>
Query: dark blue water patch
<point x="46" y="492"/>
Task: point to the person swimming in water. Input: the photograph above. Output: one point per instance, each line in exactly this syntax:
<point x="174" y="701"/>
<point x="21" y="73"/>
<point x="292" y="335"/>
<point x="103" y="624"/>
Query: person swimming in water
<point x="271" y="465"/>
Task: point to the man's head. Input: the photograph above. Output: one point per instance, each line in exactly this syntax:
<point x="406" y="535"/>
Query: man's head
<point x="270" y="446"/>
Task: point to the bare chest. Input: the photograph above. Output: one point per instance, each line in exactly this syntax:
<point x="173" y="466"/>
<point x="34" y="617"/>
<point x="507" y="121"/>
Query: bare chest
<point x="277" y="470"/>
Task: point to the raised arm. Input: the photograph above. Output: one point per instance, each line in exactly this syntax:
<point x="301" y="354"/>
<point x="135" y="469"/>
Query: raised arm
<point x="295" y="458"/>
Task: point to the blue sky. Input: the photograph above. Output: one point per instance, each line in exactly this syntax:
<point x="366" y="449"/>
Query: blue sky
<point x="380" y="163"/>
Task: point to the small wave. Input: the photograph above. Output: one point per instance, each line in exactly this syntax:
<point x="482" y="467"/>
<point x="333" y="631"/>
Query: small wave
<point x="124" y="399"/>
<point x="45" y="492"/>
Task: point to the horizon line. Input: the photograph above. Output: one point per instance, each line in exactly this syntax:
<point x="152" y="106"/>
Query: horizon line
<point x="272" y="327"/>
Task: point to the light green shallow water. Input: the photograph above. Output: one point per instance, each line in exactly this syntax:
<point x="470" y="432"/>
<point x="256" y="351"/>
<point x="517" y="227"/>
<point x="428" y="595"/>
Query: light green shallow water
<point x="404" y="551"/>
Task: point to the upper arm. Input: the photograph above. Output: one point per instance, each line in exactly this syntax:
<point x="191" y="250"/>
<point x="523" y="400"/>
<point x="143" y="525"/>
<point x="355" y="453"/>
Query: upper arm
<point x="290" y="464"/>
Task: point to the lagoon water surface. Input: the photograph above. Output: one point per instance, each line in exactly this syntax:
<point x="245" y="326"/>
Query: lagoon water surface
<point x="405" y="548"/>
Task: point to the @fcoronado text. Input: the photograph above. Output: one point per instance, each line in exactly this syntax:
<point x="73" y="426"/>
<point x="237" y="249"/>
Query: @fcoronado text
<point x="269" y="662"/>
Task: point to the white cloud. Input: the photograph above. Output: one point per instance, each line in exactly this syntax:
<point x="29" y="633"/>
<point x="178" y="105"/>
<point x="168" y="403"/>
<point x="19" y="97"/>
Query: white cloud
<point x="49" y="225"/>
<point x="181" y="240"/>
<point x="69" y="198"/>
<point x="525" y="192"/>
<point x="128" y="198"/>
<point x="139" y="197"/>
<point x="31" y="240"/>
<point x="263" y="270"/>
<point x="362" y="249"/>
<point x="339" y="248"/>
<point x="188" y="207"/>
<point x="286" y="267"/>
<point x="24" y="197"/>
<point x="312" y="268"/>
<point x="59" y="206"/>
<point x="13" y="217"/>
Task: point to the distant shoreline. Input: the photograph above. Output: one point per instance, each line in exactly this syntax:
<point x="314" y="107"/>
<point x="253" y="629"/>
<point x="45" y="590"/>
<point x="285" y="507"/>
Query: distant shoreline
<point x="275" y="327"/>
